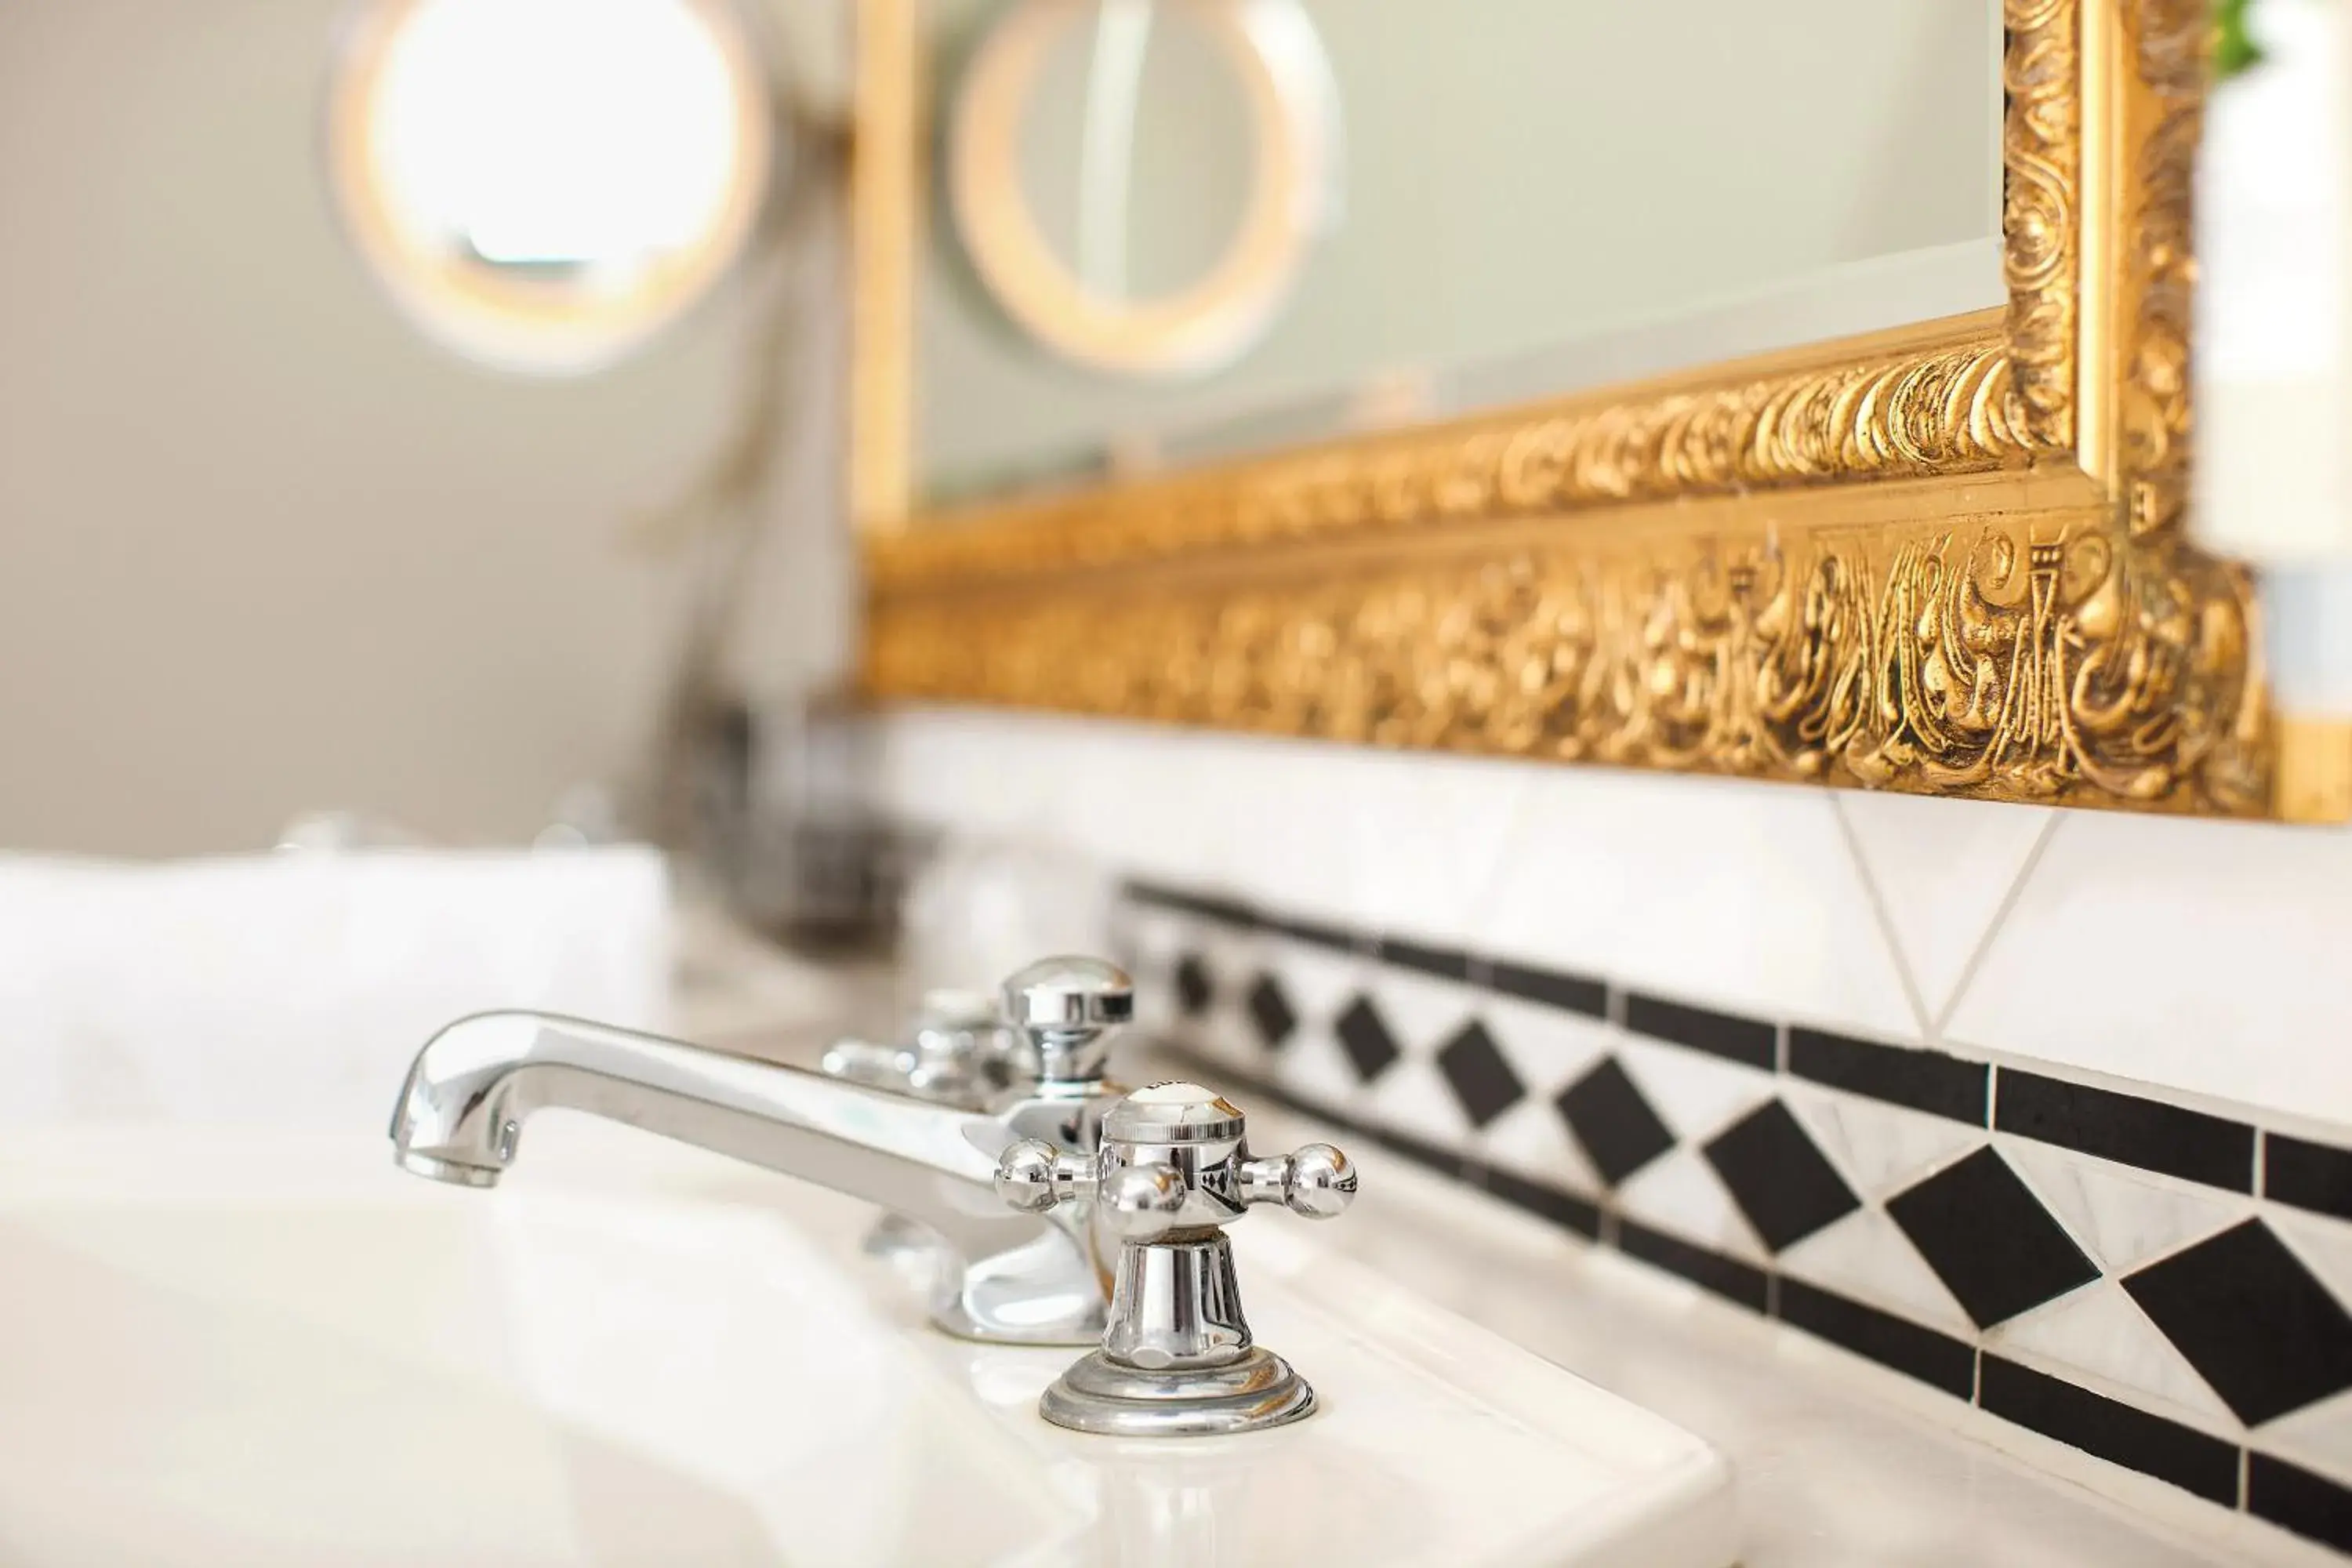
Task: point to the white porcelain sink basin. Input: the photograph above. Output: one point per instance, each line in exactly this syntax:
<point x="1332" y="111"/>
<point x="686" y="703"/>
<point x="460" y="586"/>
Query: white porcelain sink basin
<point x="226" y="1348"/>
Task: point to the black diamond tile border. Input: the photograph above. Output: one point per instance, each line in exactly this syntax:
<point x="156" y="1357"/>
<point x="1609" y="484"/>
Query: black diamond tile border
<point x="2239" y="1306"/>
<point x="1615" y="1126"/>
<point x="1366" y="1039"/>
<point x="1270" y="1010"/>
<point x="1483" y="1083"/>
<point x="1988" y="1238"/>
<point x="2251" y="1319"/>
<point x="1194" y="990"/>
<point x="1781" y="1181"/>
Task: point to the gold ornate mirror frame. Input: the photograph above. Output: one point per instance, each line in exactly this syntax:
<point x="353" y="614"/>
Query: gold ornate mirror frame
<point x="1948" y="559"/>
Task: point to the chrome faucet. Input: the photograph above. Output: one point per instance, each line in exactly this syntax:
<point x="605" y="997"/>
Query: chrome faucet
<point x="1002" y="1276"/>
<point x="959" y="1052"/>
<point x="1172" y="1169"/>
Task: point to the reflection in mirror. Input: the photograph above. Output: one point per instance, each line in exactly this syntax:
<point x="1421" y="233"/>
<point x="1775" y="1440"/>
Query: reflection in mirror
<point x="1537" y="196"/>
<point x="1137" y="188"/>
<point x="543" y="185"/>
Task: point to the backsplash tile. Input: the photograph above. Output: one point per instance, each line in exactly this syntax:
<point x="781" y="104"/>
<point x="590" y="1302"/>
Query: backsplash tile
<point x="1994" y="1246"/>
<point x="2251" y="1319"/>
<point x="1617" y="1129"/>
<point x="2099" y="1337"/>
<point x="1900" y="1075"/>
<point x="2195" y="1461"/>
<point x="1733" y="1038"/>
<point x="2207" y="957"/>
<point x="1571" y="993"/>
<point x="1942" y="871"/>
<point x="1777" y="1176"/>
<point x="2127" y="1128"/>
<point x="2089" y="1263"/>
<point x="2309" y="1175"/>
<point x="2307" y="1504"/>
<point x="1893" y="1341"/>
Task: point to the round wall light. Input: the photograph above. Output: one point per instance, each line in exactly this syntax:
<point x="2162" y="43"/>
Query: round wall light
<point x="543" y="185"/>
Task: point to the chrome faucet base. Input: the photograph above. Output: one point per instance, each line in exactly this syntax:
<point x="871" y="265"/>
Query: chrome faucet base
<point x="1110" y="1398"/>
<point x="1171" y="1170"/>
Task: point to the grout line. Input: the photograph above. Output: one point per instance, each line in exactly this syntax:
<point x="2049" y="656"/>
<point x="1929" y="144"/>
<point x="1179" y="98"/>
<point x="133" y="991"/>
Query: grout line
<point x="1992" y="926"/>
<point x="2262" y="1160"/>
<point x="2246" y="1468"/>
<point x="1780" y="1049"/>
<point x="1976" y="1374"/>
<point x="1885" y="922"/>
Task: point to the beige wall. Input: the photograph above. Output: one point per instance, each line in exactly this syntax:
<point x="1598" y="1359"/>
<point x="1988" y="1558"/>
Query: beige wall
<point x="262" y="549"/>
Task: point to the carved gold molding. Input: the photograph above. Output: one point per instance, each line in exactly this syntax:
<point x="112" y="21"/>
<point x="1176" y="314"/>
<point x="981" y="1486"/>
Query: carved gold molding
<point x="1946" y="559"/>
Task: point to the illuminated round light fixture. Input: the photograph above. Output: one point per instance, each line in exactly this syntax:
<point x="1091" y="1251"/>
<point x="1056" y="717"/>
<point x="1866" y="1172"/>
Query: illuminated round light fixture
<point x="1271" y="52"/>
<point x="543" y="185"/>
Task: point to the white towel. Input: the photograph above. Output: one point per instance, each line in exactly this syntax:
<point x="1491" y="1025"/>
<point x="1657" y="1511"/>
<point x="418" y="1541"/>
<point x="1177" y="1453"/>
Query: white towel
<point x="293" y="989"/>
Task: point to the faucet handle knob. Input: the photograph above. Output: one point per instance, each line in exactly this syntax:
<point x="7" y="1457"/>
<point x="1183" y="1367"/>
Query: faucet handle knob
<point x="1066" y="1006"/>
<point x="1138" y="1203"/>
<point x="1315" y="1181"/>
<point x="1070" y="995"/>
<point x="1033" y="1177"/>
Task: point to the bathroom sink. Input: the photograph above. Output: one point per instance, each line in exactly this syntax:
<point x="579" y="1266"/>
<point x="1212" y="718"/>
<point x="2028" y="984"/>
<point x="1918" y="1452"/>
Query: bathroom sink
<point x="259" y="1348"/>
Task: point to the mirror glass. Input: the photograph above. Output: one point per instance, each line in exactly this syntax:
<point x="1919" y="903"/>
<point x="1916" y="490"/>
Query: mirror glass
<point x="541" y="184"/>
<point x="1164" y="232"/>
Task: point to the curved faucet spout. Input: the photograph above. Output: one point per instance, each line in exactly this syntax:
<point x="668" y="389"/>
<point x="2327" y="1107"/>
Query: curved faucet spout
<point x="460" y="1114"/>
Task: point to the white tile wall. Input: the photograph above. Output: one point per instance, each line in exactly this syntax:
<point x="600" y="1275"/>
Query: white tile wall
<point x="2205" y="958"/>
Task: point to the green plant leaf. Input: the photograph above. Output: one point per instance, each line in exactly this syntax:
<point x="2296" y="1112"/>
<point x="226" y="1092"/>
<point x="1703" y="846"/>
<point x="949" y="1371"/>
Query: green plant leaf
<point x="2234" y="49"/>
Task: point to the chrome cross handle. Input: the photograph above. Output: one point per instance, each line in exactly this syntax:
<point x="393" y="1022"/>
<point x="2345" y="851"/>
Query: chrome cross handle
<point x="1138" y="1203"/>
<point x="1173" y="1168"/>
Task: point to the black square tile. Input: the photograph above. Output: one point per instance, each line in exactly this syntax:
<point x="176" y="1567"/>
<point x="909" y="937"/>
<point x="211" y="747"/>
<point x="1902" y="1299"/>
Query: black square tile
<point x="1899" y="1075"/>
<point x="2126" y="1129"/>
<point x="2314" y="1176"/>
<point x="1483" y="1081"/>
<point x="2111" y="1429"/>
<point x="2252" y="1321"/>
<point x="1988" y="1238"/>
<point x="1366" y="1039"/>
<point x="1782" y="1182"/>
<point x="1194" y="991"/>
<point x="1619" y="1131"/>
<point x="1271" y="1011"/>
<point x="2292" y="1497"/>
